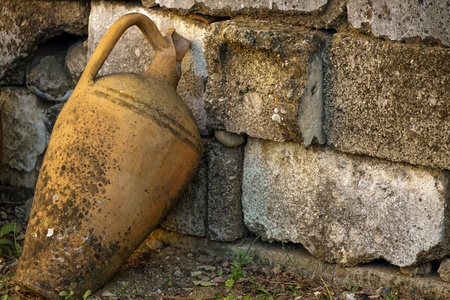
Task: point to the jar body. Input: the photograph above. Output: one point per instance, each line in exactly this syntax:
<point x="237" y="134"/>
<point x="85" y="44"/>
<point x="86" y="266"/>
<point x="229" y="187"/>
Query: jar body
<point x="122" y="151"/>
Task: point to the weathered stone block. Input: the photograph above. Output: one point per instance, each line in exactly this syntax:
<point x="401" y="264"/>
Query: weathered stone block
<point x="388" y="100"/>
<point x="24" y="133"/>
<point x="189" y="214"/>
<point x="132" y="53"/>
<point x="344" y="208"/>
<point x="212" y="205"/>
<point x="399" y="20"/>
<point x="265" y="81"/>
<point x="24" y="24"/>
<point x="225" y="221"/>
<point x="311" y="13"/>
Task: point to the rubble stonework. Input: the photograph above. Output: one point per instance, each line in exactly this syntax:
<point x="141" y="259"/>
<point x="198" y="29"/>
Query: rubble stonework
<point x="263" y="78"/>
<point x="25" y="24"/>
<point x="325" y="122"/>
<point x="388" y="100"/>
<point x="24" y="133"/>
<point x="343" y="208"/>
<point x="313" y="13"/>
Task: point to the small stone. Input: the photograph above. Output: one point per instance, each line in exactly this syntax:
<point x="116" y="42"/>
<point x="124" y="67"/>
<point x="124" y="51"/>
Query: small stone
<point x="422" y="269"/>
<point x="276" y="270"/>
<point x="229" y="139"/>
<point x="50" y="77"/>
<point x="226" y="264"/>
<point x="444" y="270"/>
<point x="76" y="60"/>
<point x="178" y="273"/>
<point x="206" y="268"/>
<point x="349" y="296"/>
<point x="196" y="273"/>
<point x="3" y="215"/>
<point x="154" y="244"/>
<point x="219" y="279"/>
<point x="19" y="211"/>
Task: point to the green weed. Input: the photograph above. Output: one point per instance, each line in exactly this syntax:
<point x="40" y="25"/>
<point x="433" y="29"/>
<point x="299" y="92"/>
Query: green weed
<point x="236" y="265"/>
<point x="9" y="238"/>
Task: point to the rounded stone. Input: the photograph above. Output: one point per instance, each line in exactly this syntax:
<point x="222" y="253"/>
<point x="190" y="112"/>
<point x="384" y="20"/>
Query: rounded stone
<point x="229" y="139"/>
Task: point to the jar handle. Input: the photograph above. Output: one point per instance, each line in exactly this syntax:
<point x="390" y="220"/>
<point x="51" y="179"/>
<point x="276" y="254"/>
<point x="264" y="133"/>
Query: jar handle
<point x="113" y="34"/>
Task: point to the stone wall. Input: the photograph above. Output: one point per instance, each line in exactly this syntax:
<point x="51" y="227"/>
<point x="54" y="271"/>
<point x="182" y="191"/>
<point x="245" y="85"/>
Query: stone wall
<point x="325" y="123"/>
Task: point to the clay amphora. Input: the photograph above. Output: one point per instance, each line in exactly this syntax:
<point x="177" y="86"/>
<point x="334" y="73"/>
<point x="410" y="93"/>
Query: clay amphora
<point x="121" y="152"/>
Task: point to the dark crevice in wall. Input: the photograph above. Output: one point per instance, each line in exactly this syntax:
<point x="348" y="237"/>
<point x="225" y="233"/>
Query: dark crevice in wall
<point x="58" y="44"/>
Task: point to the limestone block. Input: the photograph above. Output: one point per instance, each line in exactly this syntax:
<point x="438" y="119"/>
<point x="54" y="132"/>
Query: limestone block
<point x="212" y="205"/>
<point x="24" y="133"/>
<point x="24" y="24"/>
<point x="344" y="208"/>
<point x="265" y="81"/>
<point x="388" y="100"/>
<point x="225" y="221"/>
<point x="399" y="20"/>
<point x="233" y="5"/>
<point x="189" y="214"/>
<point x="132" y="53"/>
<point x="311" y="13"/>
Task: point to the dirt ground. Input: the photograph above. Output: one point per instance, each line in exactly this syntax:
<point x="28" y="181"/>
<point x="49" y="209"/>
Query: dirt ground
<point x="158" y="271"/>
<point x="179" y="273"/>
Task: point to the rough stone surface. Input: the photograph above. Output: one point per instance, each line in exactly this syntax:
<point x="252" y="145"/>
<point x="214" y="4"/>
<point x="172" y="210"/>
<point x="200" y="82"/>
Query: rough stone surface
<point x="388" y="100"/>
<point x="132" y="53"/>
<point x="189" y="214"/>
<point x="399" y="20"/>
<point x="444" y="270"/>
<point x="24" y="24"/>
<point x="224" y="217"/>
<point x="232" y="5"/>
<point x="76" y="59"/>
<point x="229" y="139"/>
<point x="13" y="177"/>
<point x="24" y="133"/>
<point x="50" y="116"/>
<point x="51" y="77"/>
<point x="311" y="13"/>
<point x="258" y="77"/>
<point x="344" y="208"/>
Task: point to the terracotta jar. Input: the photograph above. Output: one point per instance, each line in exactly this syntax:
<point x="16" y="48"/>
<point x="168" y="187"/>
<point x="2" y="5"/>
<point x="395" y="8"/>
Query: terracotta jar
<point x="122" y="151"/>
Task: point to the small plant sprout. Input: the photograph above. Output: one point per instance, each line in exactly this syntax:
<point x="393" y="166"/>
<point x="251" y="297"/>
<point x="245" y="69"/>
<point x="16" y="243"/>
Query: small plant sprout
<point x="169" y="280"/>
<point x="9" y="238"/>
<point x="236" y="269"/>
<point x="66" y="295"/>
